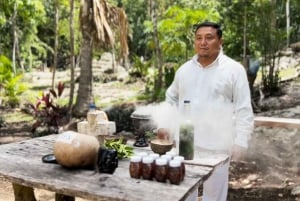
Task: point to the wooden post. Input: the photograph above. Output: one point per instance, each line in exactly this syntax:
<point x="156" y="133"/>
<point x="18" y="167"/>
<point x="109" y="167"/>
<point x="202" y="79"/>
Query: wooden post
<point x="23" y="193"/>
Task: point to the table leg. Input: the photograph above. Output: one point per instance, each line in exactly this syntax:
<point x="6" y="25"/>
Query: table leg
<point x="60" y="197"/>
<point x="23" y="193"/>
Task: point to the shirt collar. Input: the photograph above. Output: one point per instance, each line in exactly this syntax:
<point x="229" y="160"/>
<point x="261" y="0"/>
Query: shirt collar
<point x="215" y="62"/>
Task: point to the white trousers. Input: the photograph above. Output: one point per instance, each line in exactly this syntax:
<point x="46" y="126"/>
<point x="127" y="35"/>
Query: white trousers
<point x="215" y="188"/>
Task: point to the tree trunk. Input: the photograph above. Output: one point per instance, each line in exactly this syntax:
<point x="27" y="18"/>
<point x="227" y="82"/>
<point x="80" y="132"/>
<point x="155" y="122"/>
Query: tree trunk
<point x="287" y="8"/>
<point x="72" y="58"/>
<point x="14" y="27"/>
<point x="23" y="193"/>
<point x="84" y="93"/>
<point x="158" y="56"/>
<point x="245" y="58"/>
<point x="55" y="42"/>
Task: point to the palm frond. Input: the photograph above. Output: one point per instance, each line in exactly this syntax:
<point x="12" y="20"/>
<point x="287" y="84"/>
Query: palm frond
<point x="102" y="28"/>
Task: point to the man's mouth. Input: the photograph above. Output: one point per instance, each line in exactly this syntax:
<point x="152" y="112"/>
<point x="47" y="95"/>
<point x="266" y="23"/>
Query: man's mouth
<point x="203" y="48"/>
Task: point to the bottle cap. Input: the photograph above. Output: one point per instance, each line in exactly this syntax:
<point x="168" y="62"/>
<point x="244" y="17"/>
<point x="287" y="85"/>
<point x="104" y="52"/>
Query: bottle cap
<point x="167" y="157"/>
<point x="174" y="163"/>
<point x="161" y="161"/>
<point x="136" y="159"/>
<point x="180" y="158"/>
<point x="154" y="155"/>
<point x="147" y="159"/>
<point x="171" y="153"/>
<point x="92" y="106"/>
<point x="142" y="154"/>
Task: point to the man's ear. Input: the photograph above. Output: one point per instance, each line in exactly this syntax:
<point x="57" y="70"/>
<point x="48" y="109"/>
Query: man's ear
<point x="221" y="43"/>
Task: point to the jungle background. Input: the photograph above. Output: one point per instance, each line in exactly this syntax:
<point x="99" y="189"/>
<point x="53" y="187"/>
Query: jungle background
<point x="59" y="56"/>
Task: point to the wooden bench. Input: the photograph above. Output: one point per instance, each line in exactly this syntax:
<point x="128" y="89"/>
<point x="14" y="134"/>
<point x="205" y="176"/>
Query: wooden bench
<point x="277" y="122"/>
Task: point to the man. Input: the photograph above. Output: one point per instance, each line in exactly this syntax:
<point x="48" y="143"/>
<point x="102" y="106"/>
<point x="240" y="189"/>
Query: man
<point x="218" y="90"/>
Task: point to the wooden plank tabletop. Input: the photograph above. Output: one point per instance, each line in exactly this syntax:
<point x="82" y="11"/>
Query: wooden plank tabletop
<point x="21" y="163"/>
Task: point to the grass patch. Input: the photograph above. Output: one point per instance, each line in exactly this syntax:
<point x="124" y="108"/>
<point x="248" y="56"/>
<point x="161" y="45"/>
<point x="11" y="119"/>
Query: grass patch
<point x="283" y="74"/>
<point x="16" y="116"/>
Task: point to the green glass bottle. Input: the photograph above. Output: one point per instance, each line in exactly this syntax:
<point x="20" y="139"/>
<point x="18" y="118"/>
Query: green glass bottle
<point x="186" y="134"/>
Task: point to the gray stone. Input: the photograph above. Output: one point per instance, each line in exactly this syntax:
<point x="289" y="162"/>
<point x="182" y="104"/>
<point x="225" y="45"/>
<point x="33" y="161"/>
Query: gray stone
<point x="296" y="191"/>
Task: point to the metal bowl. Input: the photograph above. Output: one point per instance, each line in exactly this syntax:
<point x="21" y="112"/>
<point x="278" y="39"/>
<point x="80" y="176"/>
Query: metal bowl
<point x="142" y="123"/>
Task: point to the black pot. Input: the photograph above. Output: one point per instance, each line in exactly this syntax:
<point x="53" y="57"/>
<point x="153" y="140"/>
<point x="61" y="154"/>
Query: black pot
<point x="142" y="123"/>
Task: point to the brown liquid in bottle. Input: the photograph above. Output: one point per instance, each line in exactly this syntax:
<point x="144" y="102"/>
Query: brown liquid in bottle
<point x="148" y="168"/>
<point x="181" y="159"/>
<point x="135" y="167"/>
<point x="161" y="170"/>
<point x="174" y="172"/>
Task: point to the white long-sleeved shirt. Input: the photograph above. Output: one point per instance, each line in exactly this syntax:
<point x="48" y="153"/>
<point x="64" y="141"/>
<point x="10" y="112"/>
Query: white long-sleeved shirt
<point x="220" y="101"/>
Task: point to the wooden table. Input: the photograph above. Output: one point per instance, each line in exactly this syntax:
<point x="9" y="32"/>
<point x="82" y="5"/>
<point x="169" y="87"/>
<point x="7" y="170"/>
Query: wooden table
<point x="21" y="163"/>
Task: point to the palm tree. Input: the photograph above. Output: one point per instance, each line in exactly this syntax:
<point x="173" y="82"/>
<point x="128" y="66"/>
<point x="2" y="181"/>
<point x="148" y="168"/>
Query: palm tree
<point x="97" y="20"/>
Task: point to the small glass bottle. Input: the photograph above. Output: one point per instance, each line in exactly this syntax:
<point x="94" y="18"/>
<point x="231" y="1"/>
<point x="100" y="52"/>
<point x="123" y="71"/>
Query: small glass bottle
<point x="135" y="167"/>
<point x="174" y="172"/>
<point x="181" y="159"/>
<point x="186" y="134"/>
<point x="92" y="107"/>
<point x="161" y="169"/>
<point x="148" y="167"/>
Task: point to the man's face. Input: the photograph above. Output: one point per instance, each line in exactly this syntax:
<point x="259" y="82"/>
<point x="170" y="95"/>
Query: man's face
<point x="207" y="43"/>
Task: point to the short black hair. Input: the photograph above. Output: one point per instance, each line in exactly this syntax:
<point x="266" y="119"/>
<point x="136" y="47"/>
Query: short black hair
<point x="209" y="24"/>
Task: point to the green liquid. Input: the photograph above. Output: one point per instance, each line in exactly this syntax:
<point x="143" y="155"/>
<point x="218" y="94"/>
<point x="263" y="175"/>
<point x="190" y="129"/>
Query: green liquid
<point x="186" y="141"/>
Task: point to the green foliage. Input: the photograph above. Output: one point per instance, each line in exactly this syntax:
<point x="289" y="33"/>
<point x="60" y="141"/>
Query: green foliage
<point x="35" y="30"/>
<point x="139" y="67"/>
<point x="170" y="69"/>
<point x="271" y="84"/>
<point x="11" y="86"/>
<point x="29" y="14"/>
<point x="123" y="150"/>
<point x="265" y="34"/>
<point x="120" y="113"/>
<point x="47" y="112"/>
<point x="151" y="75"/>
<point x="271" y="40"/>
<point x="136" y="13"/>
<point x="6" y="71"/>
<point x="176" y="31"/>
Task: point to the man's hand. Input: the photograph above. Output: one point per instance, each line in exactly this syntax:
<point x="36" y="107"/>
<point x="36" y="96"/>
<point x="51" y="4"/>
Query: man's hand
<point x="238" y="153"/>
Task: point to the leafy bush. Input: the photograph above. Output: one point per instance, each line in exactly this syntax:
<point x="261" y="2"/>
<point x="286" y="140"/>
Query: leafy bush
<point x="120" y="113"/>
<point x="48" y="113"/>
<point x="11" y="86"/>
<point x="139" y="67"/>
<point x="271" y="84"/>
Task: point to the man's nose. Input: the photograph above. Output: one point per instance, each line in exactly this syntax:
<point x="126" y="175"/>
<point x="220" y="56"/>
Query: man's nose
<point x="203" y="41"/>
